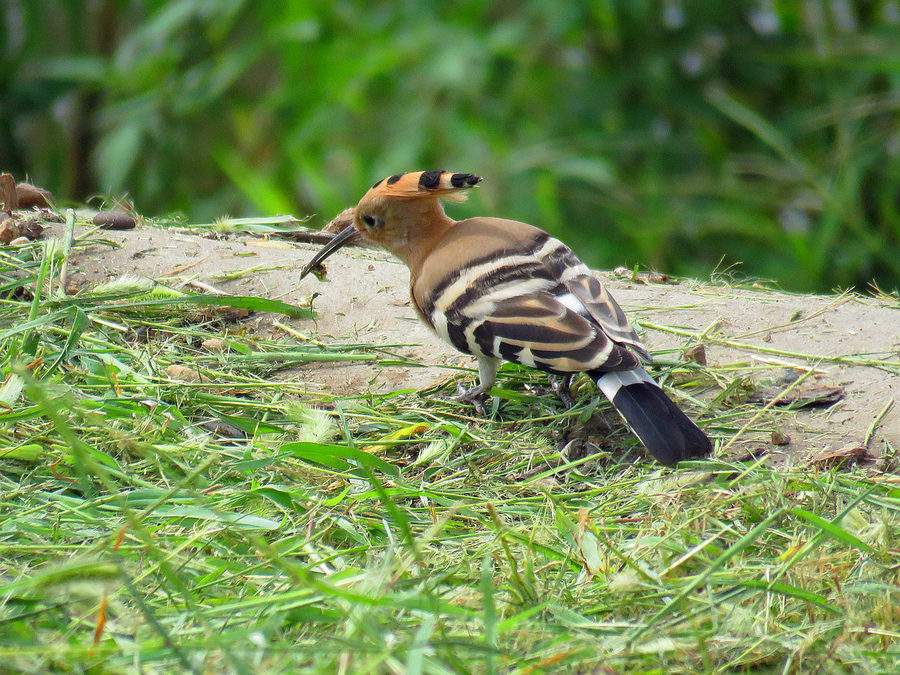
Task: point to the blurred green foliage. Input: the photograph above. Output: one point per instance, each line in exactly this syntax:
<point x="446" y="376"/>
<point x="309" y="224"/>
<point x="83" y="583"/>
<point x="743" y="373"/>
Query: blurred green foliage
<point x="681" y="135"/>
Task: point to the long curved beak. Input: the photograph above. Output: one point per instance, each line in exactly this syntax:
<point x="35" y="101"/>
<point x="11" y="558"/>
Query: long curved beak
<point x="343" y="237"/>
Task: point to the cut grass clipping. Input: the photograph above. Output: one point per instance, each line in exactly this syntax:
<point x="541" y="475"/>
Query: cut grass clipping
<point x="166" y="506"/>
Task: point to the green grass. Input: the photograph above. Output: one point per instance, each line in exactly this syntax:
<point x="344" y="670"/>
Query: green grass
<point x="238" y="521"/>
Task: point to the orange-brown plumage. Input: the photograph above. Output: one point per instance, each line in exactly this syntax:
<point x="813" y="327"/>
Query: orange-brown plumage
<point x="504" y="290"/>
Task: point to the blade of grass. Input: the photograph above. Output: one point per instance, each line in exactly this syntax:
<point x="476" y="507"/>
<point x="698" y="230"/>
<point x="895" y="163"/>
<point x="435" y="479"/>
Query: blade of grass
<point x="700" y="579"/>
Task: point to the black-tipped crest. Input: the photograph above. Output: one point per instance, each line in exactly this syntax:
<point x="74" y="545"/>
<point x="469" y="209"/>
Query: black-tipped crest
<point x="437" y="182"/>
<point x="459" y="180"/>
<point x="430" y="179"/>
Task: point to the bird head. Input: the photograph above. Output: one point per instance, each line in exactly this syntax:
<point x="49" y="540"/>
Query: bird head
<point x="400" y="212"/>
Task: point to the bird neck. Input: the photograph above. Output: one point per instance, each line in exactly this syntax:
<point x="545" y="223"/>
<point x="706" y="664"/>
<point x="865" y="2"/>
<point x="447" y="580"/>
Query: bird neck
<point x="425" y="229"/>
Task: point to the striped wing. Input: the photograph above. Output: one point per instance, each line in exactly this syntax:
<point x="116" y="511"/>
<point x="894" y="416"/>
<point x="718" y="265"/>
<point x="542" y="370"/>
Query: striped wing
<point x="604" y="309"/>
<point x="546" y="331"/>
<point x="533" y="303"/>
<point x="594" y="297"/>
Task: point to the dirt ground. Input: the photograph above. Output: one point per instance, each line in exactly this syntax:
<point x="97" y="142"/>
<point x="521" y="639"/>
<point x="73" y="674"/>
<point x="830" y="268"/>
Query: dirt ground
<point x="366" y="300"/>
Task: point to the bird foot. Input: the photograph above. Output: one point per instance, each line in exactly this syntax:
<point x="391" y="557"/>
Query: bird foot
<point x="562" y="387"/>
<point x="477" y="396"/>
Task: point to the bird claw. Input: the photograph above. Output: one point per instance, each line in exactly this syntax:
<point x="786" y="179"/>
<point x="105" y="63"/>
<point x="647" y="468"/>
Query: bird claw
<point x="475" y="395"/>
<point x="562" y="387"/>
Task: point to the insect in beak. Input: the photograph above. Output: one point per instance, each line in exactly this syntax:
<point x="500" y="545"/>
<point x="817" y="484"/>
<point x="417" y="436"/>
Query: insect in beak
<point x="342" y="238"/>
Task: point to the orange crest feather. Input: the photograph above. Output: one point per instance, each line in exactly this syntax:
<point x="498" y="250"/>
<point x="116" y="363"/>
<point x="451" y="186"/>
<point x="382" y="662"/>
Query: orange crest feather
<point x="418" y="184"/>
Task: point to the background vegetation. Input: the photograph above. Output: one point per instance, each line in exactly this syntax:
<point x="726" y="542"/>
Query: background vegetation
<point x="667" y="134"/>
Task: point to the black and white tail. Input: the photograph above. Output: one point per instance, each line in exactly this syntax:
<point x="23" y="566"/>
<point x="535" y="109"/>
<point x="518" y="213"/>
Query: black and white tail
<point x="665" y="431"/>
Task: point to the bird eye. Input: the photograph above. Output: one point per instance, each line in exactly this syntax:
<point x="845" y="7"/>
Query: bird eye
<point x="370" y="220"/>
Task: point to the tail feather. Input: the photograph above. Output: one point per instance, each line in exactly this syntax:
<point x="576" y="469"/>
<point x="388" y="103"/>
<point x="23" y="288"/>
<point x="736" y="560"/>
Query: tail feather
<point x="661" y="426"/>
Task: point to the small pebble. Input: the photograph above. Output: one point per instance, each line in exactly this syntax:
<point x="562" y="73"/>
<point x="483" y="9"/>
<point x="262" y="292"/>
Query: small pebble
<point x="214" y="345"/>
<point x="780" y="438"/>
<point x="184" y="374"/>
<point x="114" y="220"/>
<point x="30" y="196"/>
<point x="9" y="230"/>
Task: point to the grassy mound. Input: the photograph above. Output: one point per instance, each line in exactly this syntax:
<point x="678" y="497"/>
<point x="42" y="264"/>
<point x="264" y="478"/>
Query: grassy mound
<point x="169" y="501"/>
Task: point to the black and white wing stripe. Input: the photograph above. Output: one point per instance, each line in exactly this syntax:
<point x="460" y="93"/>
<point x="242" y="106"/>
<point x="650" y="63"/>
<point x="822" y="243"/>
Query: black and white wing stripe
<point x="594" y="296"/>
<point x="537" y="305"/>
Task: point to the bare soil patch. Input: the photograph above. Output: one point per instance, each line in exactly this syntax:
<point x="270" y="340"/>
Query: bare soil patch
<point x="853" y="340"/>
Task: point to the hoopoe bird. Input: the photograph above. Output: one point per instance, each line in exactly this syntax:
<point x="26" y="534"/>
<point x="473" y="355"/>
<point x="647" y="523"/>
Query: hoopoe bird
<point x="504" y="290"/>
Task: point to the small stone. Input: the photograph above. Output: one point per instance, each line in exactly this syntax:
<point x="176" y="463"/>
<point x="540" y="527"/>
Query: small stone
<point x="214" y="345"/>
<point x="780" y="438"/>
<point x="18" y="241"/>
<point x="30" y="196"/>
<point x="697" y="354"/>
<point x="9" y="230"/>
<point x="32" y="229"/>
<point x="114" y="220"/>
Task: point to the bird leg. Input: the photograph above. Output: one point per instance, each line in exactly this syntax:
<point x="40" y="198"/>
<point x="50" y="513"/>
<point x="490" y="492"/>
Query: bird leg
<point x="477" y="396"/>
<point x="561" y="385"/>
<point x="487" y="375"/>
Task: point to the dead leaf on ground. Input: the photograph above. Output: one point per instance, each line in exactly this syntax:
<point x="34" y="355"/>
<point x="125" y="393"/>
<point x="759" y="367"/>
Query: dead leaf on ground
<point x="184" y="374"/>
<point x="815" y="391"/>
<point x="214" y="345"/>
<point x="851" y="453"/>
<point x="696" y="354"/>
<point x="780" y="438"/>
